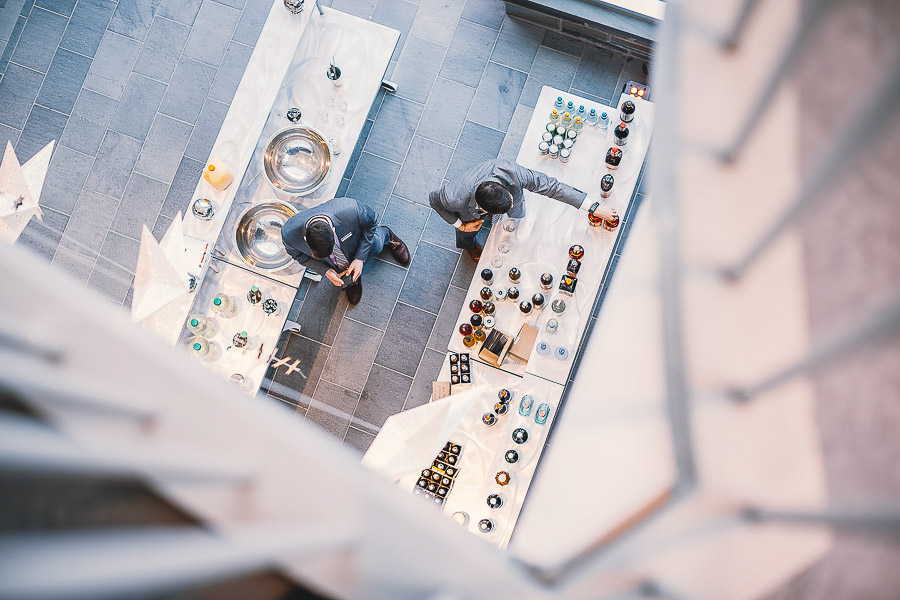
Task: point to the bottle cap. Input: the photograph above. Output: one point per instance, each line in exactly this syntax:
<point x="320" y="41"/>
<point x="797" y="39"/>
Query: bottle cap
<point x="243" y="334"/>
<point x="197" y="346"/>
<point x="603" y="114"/>
<point x="194" y="322"/>
<point x="211" y="167"/>
<point x="253" y="288"/>
<point x="217" y="301"/>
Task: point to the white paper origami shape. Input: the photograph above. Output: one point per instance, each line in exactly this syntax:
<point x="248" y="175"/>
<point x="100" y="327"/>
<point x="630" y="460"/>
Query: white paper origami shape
<point x="160" y="276"/>
<point x="409" y="441"/>
<point x="20" y="190"/>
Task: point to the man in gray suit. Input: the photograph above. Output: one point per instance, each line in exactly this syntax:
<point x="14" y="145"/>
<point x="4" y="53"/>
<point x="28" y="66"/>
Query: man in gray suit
<point x="494" y="188"/>
<point x="335" y="238"/>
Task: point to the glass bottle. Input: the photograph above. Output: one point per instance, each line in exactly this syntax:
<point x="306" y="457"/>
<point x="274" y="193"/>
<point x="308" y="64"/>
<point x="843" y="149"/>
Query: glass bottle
<point x="570" y="107"/>
<point x="592" y="118"/>
<point x="558" y="307"/>
<point x="626" y="113"/>
<point x="546" y="281"/>
<point x="567" y="120"/>
<point x="479" y="335"/>
<point x="205" y="349"/>
<point x="551" y="128"/>
<point x="254" y="296"/>
<point x="606" y="185"/>
<point x="559" y="102"/>
<point x="564" y="155"/>
<point x="620" y="134"/>
<point x="578" y="124"/>
<point x="202" y="326"/>
<point x="613" y="158"/>
<point x="469" y="341"/>
<point x="465" y="329"/>
<point x="581" y="112"/>
<point x="554" y="116"/>
<point x="240" y="339"/>
<point x="553" y="151"/>
<point x="225" y="306"/>
<point x="270" y="307"/>
<point x="603" y="123"/>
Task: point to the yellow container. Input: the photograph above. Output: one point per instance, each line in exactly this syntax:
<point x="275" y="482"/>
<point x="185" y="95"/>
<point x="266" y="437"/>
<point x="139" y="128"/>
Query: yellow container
<point x="218" y="174"/>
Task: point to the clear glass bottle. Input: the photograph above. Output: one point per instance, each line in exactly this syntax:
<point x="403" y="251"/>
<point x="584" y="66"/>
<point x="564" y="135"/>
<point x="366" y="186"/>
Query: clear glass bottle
<point x="554" y="116"/>
<point x="225" y="306"/>
<point x="581" y="112"/>
<point x="603" y="122"/>
<point x="592" y="118"/>
<point x="204" y="349"/>
<point x="202" y="326"/>
<point x="567" y="120"/>
<point x="240" y="339"/>
<point x="578" y="124"/>
<point x="570" y="107"/>
<point x="559" y="103"/>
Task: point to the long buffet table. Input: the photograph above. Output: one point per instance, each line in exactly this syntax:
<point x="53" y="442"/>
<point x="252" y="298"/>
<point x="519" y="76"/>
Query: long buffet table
<point x="287" y="69"/>
<point x="535" y="244"/>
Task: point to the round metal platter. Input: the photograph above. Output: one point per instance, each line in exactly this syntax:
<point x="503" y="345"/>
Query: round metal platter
<point x="297" y="160"/>
<point x="257" y="235"/>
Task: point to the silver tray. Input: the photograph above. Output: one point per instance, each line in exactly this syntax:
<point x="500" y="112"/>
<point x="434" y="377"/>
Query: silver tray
<point x="297" y="160"/>
<point x="257" y="235"/>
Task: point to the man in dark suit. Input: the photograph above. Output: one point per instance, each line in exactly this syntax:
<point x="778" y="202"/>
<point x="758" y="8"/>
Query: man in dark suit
<point x="335" y="238"/>
<point x="494" y="187"/>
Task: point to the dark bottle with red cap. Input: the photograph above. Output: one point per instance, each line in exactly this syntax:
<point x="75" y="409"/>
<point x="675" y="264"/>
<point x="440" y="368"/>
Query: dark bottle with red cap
<point x="621" y="134"/>
<point x="613" y="158"/>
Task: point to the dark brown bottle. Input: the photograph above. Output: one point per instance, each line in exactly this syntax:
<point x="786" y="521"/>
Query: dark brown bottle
<point x="613" y="158"/>
<point x="621" y="134"/>
<point x="606" y="185"/>
<point x="626" y="113"/>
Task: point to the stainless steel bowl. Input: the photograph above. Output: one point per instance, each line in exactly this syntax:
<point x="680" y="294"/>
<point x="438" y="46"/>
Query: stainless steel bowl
<point x="297" y="160"/>
<point x="257" y="235"/>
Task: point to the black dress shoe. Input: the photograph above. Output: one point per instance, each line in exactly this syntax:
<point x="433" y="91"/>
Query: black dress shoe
<point x="354" y="292"/>
<point x="398" y="249"/>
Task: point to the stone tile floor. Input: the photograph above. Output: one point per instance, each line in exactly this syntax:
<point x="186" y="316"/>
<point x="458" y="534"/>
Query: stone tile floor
<point x="135" y="92"/>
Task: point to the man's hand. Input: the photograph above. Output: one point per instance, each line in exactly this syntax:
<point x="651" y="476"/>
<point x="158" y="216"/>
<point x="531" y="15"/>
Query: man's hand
<point x="354" y="269"/>
<point x="605" y="212"/>
<point x="333" y="277"/>
<point x="471" y="226"/>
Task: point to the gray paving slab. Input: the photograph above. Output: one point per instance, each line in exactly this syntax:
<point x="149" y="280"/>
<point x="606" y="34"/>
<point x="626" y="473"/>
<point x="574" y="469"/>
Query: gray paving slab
<point x="405" y="338"/>
<point x="136" y="110"/>
<point x="87" y="227"/>
<point x="396" y="14"/>
<point x="497" y="96"/>
<point x="353" y="351"/>
<point x="468" y="53"/>
<point x="63" y="81"/>
<point x="209" y="122"/>
<point x="162" y="48"/>
<point x="139" y="206"/>
<point x="477" y="143"/>
<point x="228" y="77"/>
<point x="188" y="90"/>
<point x="552" y="68"/>
<point x="88" y="122"/>
<point x="87" y="26"/>
<point x="332" y="408"/>
<point x="423" y="170"/>
<point x="517" y="44"/>
<point x="381" y="281"/>
<point x="384" y="395"/>
<point x="446" y="110"/>
<point x="417" y="68"/>
<point x="489" y="13"/>
<point x="429" y="275"/>
<point x="112" y="65"/>
<point x="43" y="126"/>
<point x="428" y="370"/>
<point x="133" y="18"/>
<point x="183" y="11"/>
<point x="393" y="131"/>
<point x="373" y="181"/>
<point x="211" y="32"/>
<point x="406" y="219"/>
<point x="39" y="40"/>
<point x="18" y="90"/>
<point x="66" y="176"/>
<point x="163" y="150"/>
<point x="115" y="160"/>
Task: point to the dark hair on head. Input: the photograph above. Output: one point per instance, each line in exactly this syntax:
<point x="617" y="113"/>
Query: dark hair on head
<point x="320" y="239"/>
<point x="493" y="198"/>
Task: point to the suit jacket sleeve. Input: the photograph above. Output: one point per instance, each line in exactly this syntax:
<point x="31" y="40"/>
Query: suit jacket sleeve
<point x="535" y="181"/>
<point x="448" y="215"/>
<point x="367" y="227"/>
<point x="308" y="261"/>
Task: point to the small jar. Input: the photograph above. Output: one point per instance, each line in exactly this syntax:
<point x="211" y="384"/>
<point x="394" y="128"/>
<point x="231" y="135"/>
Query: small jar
<point x="487" y="276"/>
<point x="485" y="526"/>
<point x="494" y="501"/>
<point x="515" y="274"/>
<point x="560" y="130"/>
<point x="551" y="128"/>
<point x="558" y="307"/>
<point x="504" y="395"/>
<point x="552" y="326"/>
<point x="553" y="151"/>
<point x="556" y="139"/>
<point x="546" y="281"/>
<point x="613" y="158"/>
<point x="611" y="224"/>
<point x="572" y="135"/>
<point x="486" y="294"/>
<point x="501" y="408"/>
<point x="606" y="185"/>
<point x="476" y="306"/>
<point x="469" y="341"/>
<point x="465" y="329"/>
<point x="476" y="320"/>
<point x="489" y="308"/>
<point x="576" y="252"/>
<point x="547" y="137"/>
<point x="537" y="301"/>
<point x="511" y="456"/>
<point x="564" y="155"/>
<point x="479" y="335"/>
<point x="544" y="148"/>
<point x="520" y="436"/>
<point x="525" y="307"/>
<point x="454" y="358"/>
<point x="567" y="144"/>
<point x="500" y="295"/>
<point x="240" y="339"/>
<point x="489" y="322"/>
<point x="502" y="478"/>
<point x="489" y="419"/>
<point x="512" y="293"/>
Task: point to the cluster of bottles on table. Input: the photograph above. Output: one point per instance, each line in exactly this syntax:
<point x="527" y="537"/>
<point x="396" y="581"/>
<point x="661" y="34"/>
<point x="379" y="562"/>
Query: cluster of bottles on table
<point x="205" y="327"/>
<point x="497" y="498"/>
<point x="483" y="308"/>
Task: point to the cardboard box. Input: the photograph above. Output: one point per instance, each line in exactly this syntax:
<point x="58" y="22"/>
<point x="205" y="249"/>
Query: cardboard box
<point x="524" y="342"/>
<point x="439" y="389"/>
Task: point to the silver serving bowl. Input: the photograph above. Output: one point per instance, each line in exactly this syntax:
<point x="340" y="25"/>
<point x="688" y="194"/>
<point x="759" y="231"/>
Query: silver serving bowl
<point x="257" y="235"/>
<point x="297" y="160"/>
